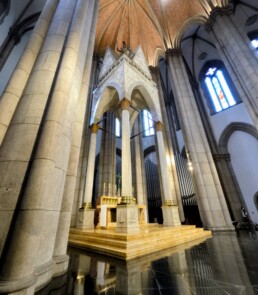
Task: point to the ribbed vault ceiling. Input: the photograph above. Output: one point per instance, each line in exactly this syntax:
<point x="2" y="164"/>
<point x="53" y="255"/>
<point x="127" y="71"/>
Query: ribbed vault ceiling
<point x="153" y="24"/>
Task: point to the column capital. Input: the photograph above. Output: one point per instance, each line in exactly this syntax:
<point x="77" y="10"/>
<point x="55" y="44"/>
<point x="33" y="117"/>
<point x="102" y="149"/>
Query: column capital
<point x="173" y="52"/>
<point x="94" y="128"/>
<point x="153" y="69"/>
<point x="216" y="11"/>
<point x="125" y="104"/>
<point x="159" y="126"/>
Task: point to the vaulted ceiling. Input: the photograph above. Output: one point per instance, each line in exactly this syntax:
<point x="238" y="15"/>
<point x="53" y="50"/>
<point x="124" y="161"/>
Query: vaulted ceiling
<point x="156" y="25"/>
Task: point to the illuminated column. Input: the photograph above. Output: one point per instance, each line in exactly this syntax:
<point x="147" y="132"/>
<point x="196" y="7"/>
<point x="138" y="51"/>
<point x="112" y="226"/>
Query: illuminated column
<point x="126" y="153"/>
<point x="139" y="176"/>
<point x="127" y="211"/>
<point x="236" y="52"/>
<point x="170" y="208"/>
<point x="80" y="88"/>
<point x="85" y="218"/>
<point x="90" y="167"/>
<point x="211" y="201"/>
<point x="138" y="159"/>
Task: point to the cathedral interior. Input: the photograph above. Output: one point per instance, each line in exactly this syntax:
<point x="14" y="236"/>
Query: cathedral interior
<point x="128" y="147"/>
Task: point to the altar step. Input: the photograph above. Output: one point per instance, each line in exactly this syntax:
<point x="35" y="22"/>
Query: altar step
<point x="150" y="239"/>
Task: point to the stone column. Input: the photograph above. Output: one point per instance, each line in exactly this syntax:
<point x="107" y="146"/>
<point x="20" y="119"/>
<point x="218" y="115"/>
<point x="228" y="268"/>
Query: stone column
<point x="139" y="171"/>
<point x="20" y="76"/>
<point x="211" y="201"/>
<point x="127" y="212"/>
<point x="230" y="183"/>
<point x="126" y="151"/>
<point x="236" y="50"/>
<point x="19" y="142"/>
<point x="81" y="87"/>
<point x="85" y="218"/>
<point x="37" y="219"/>
<point x="84" y="149"/>
<point x="170" y="208"/>
<point x="169" y="136"/>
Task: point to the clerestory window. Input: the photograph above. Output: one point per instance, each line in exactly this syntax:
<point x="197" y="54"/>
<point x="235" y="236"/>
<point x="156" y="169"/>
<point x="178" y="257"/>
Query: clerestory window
<point x="220" y="91"/>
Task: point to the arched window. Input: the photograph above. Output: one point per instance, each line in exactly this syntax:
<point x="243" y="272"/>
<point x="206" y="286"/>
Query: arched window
<point x="253" y="36"/>
<point x="148" y="123"/>
<point x="218" y="87"/>
<point x="255" y="42"/>
<point x="118" y="128"/>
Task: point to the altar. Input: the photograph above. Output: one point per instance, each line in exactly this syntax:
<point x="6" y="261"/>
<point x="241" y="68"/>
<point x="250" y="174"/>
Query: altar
<point x="106" y="210"/>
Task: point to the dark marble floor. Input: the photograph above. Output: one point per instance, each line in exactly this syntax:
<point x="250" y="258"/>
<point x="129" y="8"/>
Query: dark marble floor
<point x="223" y="264"/>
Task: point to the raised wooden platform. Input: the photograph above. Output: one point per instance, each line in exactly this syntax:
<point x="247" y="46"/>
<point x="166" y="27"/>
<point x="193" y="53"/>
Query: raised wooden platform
<point x="151" y="238"/>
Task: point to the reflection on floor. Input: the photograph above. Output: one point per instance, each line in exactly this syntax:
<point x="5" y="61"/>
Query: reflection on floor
<point x="223" y="264"/>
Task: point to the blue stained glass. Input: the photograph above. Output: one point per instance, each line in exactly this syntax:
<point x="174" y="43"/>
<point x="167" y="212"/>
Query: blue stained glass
<point x="220" y="93"/>
<point x="226" y="89"/>
<point x="213" y="94"/>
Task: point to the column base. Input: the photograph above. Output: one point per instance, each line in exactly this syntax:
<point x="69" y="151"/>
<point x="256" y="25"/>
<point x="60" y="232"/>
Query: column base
<point x="171" y="216"/>
<point x="127" y="220"/>
<point x="24" y="286"/>
<point x="61" y="265"/>
<point x="85" y="218"/>
<point x="44" y="274"/>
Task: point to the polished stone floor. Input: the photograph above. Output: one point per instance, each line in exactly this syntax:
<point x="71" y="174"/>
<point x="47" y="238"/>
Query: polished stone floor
<point x="223" y="264"/>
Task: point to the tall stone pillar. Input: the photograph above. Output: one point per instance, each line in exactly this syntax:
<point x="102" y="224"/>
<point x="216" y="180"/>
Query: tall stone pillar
<point x="170" y="141"/>
<point x="211" y="201"/>
<point x="18" y="145"/>
<point x="126" y="151"/>
<point x="84" y="149"/>
<point x="139" y="176"/>
<point x="170" y="208"/>
<point x="85" y="218"/>
<point x="21" y="74"/>
<point x="82" y="78"/>
<point x="236" y="50"/>
<point x="230" y="183"/>
<point x="38" y="214"/>
<point x="127" y="212"/>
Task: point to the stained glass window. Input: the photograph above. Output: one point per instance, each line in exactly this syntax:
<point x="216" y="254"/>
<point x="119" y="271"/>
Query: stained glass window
<point x="219" y="91"/>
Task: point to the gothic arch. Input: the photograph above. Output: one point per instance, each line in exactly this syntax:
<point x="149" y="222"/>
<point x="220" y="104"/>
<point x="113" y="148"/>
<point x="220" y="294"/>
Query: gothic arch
<point x="227" y="132"/>
<point x="198" y="19"/>
<point x="159" y="53"/>
<point x="148" y="97"/>
<point x="149" y="150"/>
<point x="107" y="99"/>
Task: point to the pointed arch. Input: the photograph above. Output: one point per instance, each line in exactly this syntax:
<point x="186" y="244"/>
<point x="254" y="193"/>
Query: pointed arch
<point x="230" y="129"/>
<point x="108" y="99"/>
<point x="149" y="98"/>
